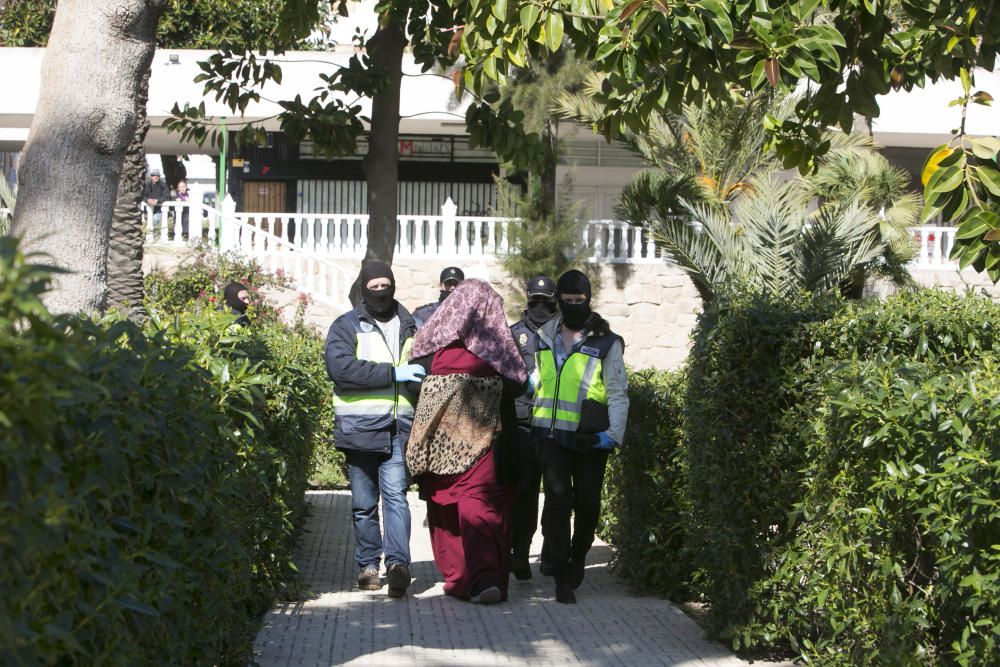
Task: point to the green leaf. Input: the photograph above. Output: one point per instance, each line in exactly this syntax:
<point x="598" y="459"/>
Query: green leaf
<point x="966" y="80"/>
<point x="138" y="607"/>
<point x="499" y="10"/>
<point x="554" y="31"/>
<point x="719" y="18"/>
<point x="985" y="148"/>
<point x="946" y="180"/>
<point x="990" y="178"/>
<point x="973" y="227"/>
<point x="529" y="16"/>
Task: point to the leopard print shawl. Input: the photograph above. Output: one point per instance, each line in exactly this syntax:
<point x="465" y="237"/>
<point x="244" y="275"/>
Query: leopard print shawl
<point x="456" y="420"/>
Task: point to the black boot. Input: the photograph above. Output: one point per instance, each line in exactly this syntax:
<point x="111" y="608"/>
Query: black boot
<point x="519" y="566"/>
<point x="564" y="591"/>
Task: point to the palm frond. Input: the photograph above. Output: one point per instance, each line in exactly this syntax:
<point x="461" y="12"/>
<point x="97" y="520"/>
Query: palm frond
<point x="838" y="240"/>
<point x="693" y="250"/>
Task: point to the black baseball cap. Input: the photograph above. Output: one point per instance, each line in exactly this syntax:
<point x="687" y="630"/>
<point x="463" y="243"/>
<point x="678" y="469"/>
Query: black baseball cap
<point x="541" y="286"/>
<point x="452" y="273"/>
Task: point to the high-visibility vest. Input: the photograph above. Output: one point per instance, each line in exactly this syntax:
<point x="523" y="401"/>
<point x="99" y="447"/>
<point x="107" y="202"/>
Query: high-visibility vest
<point x="373" y="409"/>
<point x="560" y="396"/>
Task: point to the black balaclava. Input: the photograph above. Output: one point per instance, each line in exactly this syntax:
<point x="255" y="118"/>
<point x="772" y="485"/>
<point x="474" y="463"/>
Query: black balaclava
<point x="574" y="314"/>
<point x="381" y="304"/>
<point x="443" y="295"/>
<point x="231" y="294"/>
<point x="540" y="311"/>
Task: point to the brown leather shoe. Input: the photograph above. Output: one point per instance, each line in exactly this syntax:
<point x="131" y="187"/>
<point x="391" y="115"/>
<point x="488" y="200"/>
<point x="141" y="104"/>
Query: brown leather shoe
<point x="368" y="579"/>
<point x="399" y="580"/>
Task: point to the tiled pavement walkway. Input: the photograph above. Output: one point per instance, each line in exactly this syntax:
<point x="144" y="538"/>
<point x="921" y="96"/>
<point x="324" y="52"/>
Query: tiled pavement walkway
<point x="343" y="625"/>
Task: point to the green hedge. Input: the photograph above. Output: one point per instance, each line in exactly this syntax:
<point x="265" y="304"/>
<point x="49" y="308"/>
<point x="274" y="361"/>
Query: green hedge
<point x="645" y="504"/>
<point x="743" y="463"/>
<point x="826" y="477"/>
<point x="196" y="287"/>
<point x="896" y="555"/>
<point x="152" y="480"/>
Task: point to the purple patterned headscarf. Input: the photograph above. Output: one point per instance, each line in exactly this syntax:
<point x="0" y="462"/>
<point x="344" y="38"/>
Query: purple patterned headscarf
<point x="473" y="314"/>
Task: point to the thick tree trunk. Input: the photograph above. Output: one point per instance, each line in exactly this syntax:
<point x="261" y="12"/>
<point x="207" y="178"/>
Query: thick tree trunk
<point x="97" y="56"/>
<point x="125" y="286"/>
<point x="381" y="164"/>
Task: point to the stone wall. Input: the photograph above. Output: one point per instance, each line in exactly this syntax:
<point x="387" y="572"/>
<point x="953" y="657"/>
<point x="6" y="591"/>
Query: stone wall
<point x="944" y="278"/>
<point x="653" y="306"/>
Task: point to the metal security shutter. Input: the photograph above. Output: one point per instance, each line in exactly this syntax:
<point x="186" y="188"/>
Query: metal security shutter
<point x="415" y="198"/>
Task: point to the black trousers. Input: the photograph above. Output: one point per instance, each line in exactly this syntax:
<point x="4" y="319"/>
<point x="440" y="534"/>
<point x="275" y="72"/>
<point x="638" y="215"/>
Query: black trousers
<point x="525" y="519"/>
<point x="573" y="481"/>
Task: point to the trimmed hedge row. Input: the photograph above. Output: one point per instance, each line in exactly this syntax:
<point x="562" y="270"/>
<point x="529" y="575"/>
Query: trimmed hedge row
<point x="835" y="466"/>
<point x="645" y="501"/>
<point x="152" y="480"/>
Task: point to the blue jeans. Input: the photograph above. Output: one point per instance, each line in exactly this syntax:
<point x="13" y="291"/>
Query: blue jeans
<point x="373" y="474"/>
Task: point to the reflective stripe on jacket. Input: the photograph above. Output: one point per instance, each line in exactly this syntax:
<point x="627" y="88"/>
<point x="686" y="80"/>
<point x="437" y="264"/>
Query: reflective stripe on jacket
<point x="369" y="406"/>
<point x="572" y="395"/>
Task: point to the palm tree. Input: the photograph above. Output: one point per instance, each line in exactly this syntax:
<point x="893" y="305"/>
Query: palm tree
<point x="855" y="170"/>
<point x="714" y="201"/>
<point x="768" y="240"/>
<point x="716" y="147"/>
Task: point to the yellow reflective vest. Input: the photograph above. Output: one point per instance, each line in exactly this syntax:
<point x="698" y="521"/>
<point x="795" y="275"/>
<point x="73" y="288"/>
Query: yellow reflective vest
<point x="572" y="396"/>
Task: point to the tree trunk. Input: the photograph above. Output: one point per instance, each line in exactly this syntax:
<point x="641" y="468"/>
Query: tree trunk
<point x="381" y="164"/>
<point x="97" y="56"/>
<point x="174" y="170"/>
<point x="125" y="286"/>
<point x="547" y="177"/>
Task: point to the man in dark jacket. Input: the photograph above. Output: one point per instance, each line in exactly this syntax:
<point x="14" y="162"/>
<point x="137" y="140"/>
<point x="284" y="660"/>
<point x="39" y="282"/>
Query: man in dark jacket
<point x="451" y="278"/>
<point x="154" y="194"/>
<point x="542" y="307"/>
<point x="367" y="357"/>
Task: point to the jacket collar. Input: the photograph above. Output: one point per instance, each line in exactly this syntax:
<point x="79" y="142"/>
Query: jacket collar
<point x="407" y="326"/>
<point x="594" y="326"/>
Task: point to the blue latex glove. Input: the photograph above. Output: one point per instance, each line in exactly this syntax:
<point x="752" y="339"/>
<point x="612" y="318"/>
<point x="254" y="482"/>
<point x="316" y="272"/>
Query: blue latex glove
<point x="604" y="441"/>
<point x="409" y="373"/>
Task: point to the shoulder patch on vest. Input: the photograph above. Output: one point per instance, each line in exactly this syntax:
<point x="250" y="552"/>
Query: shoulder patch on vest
<point x="590" y="351"/>
<point x="522" y="340"/>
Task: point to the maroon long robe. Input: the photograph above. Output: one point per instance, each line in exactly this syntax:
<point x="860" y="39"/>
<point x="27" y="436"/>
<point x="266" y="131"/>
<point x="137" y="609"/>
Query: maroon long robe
<point x="469" y="514"/>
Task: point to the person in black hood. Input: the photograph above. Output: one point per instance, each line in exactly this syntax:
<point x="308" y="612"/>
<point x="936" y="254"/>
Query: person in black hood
<point x="367" y="358"/>
<point x="451" y="278"/>
<point x="578" y="419"/>
<point x="237" y="297"/>
<point x="541" y="307"/>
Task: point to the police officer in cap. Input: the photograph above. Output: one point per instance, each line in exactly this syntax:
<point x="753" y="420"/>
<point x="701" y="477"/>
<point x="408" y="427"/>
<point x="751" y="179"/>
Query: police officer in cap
<point x="450" y="279"/>
<point x="541" y="308"/>
<point x="578" y="418"/>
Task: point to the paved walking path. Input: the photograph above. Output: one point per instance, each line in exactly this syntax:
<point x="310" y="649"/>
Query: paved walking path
<point x="343" y="625"/>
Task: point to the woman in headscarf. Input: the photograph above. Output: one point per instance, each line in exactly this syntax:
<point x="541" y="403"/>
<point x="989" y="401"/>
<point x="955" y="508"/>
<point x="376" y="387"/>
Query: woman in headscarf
<point x="463" y="443"/>
<point x="237" y="297"/>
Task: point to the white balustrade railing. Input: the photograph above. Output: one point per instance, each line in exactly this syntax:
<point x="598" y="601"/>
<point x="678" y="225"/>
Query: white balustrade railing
<point x="177" y="222"/>
<point x="446" y="236"/>
<point x="449" y="237"/>
<point x="934" y="246"/>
